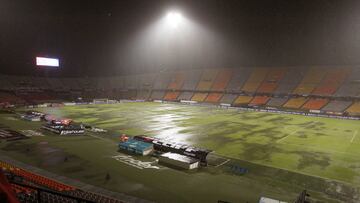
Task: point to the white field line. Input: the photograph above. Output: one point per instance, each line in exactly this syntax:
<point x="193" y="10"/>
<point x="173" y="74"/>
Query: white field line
<point x="222" y="163"/>
<point x="293" y="132"/>
<point x="353" y="137"/>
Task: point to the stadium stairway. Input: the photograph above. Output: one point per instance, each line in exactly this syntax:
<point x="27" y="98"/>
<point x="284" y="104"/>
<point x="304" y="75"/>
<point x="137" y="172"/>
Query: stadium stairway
<point x="310" y="81"/>
<point x="272" y="80"/>
<point x="354" y="109"/>
<point x="332" y="81"/>
<point x="242" y="100"/>
<point x="255" y="79"/>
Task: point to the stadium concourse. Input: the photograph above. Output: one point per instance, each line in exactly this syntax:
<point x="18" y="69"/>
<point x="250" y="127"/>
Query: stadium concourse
<point x="325" y="90"/>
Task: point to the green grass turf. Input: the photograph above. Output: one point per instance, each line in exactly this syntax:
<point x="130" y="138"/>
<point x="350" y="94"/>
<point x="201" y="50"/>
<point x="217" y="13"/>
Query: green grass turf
<point x="319" y="154"/>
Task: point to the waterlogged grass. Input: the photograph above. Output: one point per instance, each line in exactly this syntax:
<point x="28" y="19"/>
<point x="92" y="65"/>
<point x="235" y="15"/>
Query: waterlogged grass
<point x="311" y="150"/>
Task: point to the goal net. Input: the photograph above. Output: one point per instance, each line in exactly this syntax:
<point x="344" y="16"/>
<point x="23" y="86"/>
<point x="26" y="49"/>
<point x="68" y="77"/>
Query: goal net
<point x="101" y="101"/>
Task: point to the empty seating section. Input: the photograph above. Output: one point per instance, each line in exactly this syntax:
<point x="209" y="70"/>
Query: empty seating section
<point x="157" y="94"/>
<point x="171" y="96"/>
<point x="31" y="195"/>
<point x="351" y="86"/>
<point x="354" y="109"/>
<point x="242" y="100"/>
<point x="277" y="102"/>
<point x="207" y="79"/>
<point x="259" y="100"/>
<point x="143" y="94"/>
<point x="290" y="81"/>
<point x="337" y="106"/>
<point x="255" y="79"/>
<point x="331" y="82"/>
<point x="222" y="80"/>
<point x="315" y="104"/>
<point x="228" y="98"/>
<point x="295" y="103"/>
<point x="177" y="81"/>
<point x="185" y="96"/>
<point x="213" y="97"/>
<point x="10" y="98"/>
<point x="5" y="83"/>
<point x="162" y="80"/>
<point x="272" y="80"/>
<point x="191" y="79"/>
<point x="199" y="97"/>
<point x="49" y="183"/>
<point x="310" y="81"/>
<point x="145" y="81"/>
<point x="130" y="82"/>
<point x="238" y="79"/>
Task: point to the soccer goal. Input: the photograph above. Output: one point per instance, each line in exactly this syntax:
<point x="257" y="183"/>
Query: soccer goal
<point x="101" y="101"/>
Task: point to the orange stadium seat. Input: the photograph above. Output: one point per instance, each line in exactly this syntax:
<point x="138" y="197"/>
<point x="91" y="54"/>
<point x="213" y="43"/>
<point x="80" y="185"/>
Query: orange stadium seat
<point x="295" y="103"/>
<point x="272" y="80"/>
<point x="213" y="97"/>
<point x="315" y="104"/>
<point x="222" y="80"/>
<point x="171" y="96"/>
<point x="259" y="100"/>
<point x="255" y="79"/>
<point x="332" y="81"/>
<point x="207" y="79"/>
<point x="177" y="81"/>
<point x="310" y="81"/>
<point x="240" y="100"/>
<point x="354" y="109"/>
<point x="199" y="97"/>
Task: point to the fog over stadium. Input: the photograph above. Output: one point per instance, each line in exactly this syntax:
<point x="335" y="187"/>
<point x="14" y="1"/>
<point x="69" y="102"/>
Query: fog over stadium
<point x="118" y="37"/>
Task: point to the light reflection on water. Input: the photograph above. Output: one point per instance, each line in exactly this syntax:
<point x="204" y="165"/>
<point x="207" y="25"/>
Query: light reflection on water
<point x="165" y="127"/>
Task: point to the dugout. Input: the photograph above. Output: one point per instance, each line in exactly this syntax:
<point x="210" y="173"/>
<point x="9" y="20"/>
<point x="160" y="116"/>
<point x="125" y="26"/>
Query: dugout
<point x="178" y="161"/>
<point x="136" y="146"/>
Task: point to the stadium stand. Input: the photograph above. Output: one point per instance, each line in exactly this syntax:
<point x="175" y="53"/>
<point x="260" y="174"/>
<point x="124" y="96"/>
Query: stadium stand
<point x="272" y="80"/>
<point x="228" y="98"/>
<point x="191" y="79"/>
<point x="277" y="101"/>
<point x="177" y="81"/>
<point x="175" y="84"/>
<point x="259" y="101"/>
<point x="157" y="94"/>
<point x="162" y="80"/>
<point x="222" y="80"/>
<point x="310" y="81"/>
<point x="336" y="106"/>
<point x="242" y="100"/>
<point x="331" y="82"/>
<point x="290" y="81"/>
<point x="255" y="79"/>
<point x="143" y="94"/>
<point x="238" y="79"/>
<point x="213" y="97"/>
<point x="315" y="104"/>
<point x="145" y="81"/>
<point x="10" y="98"/>
<point x="5" y="83"/>
<point x="33" y="188"/>
<point x="171" y="96"/>
<point x="207" y="79"/>
<point x="351" y="86"/>
<point x="295" y="103"/>
<point x="185" y="96"/>
<point x="354" y="109"/>
<point x="199" y="97"/>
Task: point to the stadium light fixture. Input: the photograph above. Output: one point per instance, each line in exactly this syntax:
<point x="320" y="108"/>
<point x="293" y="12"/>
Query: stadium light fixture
<point x="174" y="19"/>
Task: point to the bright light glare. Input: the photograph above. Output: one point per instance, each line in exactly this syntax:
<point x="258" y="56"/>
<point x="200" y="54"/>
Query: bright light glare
<point x="174" y="18"/>
<point x="42" y="61"/>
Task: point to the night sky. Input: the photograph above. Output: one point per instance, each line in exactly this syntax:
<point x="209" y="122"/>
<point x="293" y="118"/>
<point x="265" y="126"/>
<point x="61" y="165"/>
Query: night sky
<point x="95" y="38"/>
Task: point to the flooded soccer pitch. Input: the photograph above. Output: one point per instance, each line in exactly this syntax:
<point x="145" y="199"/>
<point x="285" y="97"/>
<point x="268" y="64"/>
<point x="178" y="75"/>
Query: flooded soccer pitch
<point x="284" y="154"/>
